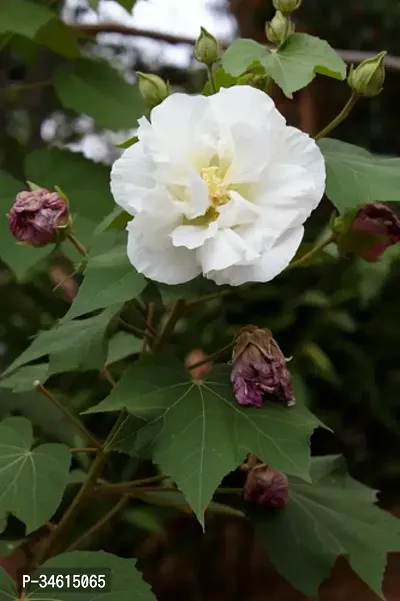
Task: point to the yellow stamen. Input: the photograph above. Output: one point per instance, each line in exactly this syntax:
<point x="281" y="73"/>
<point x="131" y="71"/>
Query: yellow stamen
<point x="217" y="190"/>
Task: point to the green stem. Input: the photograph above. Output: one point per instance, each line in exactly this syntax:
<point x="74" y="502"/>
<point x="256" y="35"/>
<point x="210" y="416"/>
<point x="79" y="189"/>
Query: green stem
<point x="72" y="418"/>
<point x="211" y="78"/>
<point x="339" y="118"/>
<point x="56" y="536"/>
<point x="208" y="297"/>
<point x="134" y="329"/>
<point x="79" y="247"/>
<point x="99" y="524"/>
<point x="167" y="331"/>
<point x="132" y="489"/>
<point x="312" y="252"/>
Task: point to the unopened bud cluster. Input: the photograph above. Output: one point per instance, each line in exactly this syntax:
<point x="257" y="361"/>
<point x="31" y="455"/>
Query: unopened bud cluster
<point x="39" y="217"/>
<point x="368" y="77"/>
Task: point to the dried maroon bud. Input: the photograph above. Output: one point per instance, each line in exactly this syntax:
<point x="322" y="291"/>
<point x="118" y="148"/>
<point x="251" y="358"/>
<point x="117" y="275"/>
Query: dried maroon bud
<point x="259" y="367"/>
<point x="381" y="225"/>
<point x="37" y="216"/>
<point x="266" y="486"/>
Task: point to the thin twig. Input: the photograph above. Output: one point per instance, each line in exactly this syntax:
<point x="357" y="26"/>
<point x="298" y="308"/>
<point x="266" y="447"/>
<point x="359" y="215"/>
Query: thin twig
<point x="83" y="450"/>
<point x="344" y="113"/>
<point x="72" y="418"/>
<point x="79" y="247"/>
<point x="311" y="253"/>
<point x="134" y="329"/>
<point x="168" y="329"/>
<point x="210" y="357"/>
<point x="349" y="56"/>
<point x="122" y="486"/>
<point x="99" y="524"/>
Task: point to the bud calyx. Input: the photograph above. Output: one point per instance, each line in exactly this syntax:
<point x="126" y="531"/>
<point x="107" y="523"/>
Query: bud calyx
<point x="206" y="49"/>
<point x="368" y="77"/>
<point x="153" y="89"/>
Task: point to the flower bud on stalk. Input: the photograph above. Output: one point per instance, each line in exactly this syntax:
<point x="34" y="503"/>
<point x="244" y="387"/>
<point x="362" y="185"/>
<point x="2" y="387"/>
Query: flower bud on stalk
<point x="153" y="89"/>
<point x="39" y="217"/>
<point x="259" y="367"/>
<point x="287" y="6"/>
<point x="206" y="49"/>
<point x="368" y="232"/>
<point x="279" y="28"/>
<point x="367" y="79"/>
<point x="266" y="486"/>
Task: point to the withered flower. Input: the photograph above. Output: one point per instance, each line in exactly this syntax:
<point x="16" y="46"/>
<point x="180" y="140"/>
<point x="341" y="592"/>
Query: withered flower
<point x="266" y="486"/>
<point x="380" y="223"/>
<point x="37" y="216"/>
<point x="259" y="367"/>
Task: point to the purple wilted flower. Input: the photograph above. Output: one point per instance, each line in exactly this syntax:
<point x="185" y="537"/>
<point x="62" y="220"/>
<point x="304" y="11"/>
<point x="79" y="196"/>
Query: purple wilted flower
<point x="259" y="367"/>
<point x="381" y="224"/>
<point x="37" y="215"/>
<point x="266" y="486"/>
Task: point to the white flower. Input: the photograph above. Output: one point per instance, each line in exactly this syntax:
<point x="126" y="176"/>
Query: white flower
<point x="219" y="186"/>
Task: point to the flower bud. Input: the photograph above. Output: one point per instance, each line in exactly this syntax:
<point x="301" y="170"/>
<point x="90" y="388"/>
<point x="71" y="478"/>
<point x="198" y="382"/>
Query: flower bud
<point x="372" y="230"/>
<point x="266" y="486"/>
<point x="259" y="367"/>
<point x="287" y="6"/>
<point x="153" y="89"/>
<point x="206" y="49"/>
<point x="38" y="217"/>
<point x="279" y="28"/>
<point x="368" y="77"/>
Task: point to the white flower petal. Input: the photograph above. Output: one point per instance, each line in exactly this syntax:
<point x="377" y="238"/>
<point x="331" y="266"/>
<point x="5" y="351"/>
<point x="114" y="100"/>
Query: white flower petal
<point x="223" y="250"/>
<point x="132" y="178"/>
<point x="267" y="267"/>
<point x="237" y="212"/>
<point x="193" y="236"/>
<point x="168" y="265"/>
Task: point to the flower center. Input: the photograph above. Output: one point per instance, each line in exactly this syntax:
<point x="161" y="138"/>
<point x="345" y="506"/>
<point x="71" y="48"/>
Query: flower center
<point x="218" y="193"/>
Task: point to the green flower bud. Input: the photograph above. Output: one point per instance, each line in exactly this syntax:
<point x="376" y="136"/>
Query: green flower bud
<point x="279" y="28"/>
<point x="287" y="6"/>
<point x="367" y="79"/>
<point x="153" y="89"/>
<point x="206" y="49"/>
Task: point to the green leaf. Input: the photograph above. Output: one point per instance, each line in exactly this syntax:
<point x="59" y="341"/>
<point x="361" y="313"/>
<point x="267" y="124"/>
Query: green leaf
<point x="87" y="184"/>
<point x="22" y="380"/>
<point x="355" y="176"/>
<point x="117" y="219"/>
<point x="73" y="345"/>
<point x="321" y="522"/>
<point x="7" y="587"/>
<point x="120" y="346"/>
<point x="199" y="431"/>
<point x="60" y="38"/>
<point x="32" y="481"/>
<point x="292" y="67"/>
<point x="23" y="17"/>
<point x="109" y="277"/>
<point x="20" y="258"/>
<point x="124" y="582"/>
<point x="96" y="89"/>
<point x="127" y="4"/>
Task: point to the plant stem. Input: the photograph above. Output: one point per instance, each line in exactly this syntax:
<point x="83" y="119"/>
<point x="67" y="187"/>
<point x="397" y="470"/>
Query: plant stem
<point x="121" y="486"/>
<point x="311" y="253"/>
<point x="150" y="313"/>
<point x="108" y="376"/>
<point x="83" y="450"/>
<point x="72" y="418"/>
<point x="211" y="78"/>
<point x="167" y="331"/>
<point x="134" y="329"/>
<point x="79" y="247"/>
<point x="210" y="357"/>
<point x="339" y="118"/>
<point x="99" y="524"/>
<point x="56" y="535"/>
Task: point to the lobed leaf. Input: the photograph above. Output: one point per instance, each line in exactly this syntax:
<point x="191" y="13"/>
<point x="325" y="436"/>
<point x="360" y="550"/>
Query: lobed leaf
<point x="198" y="431"/>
